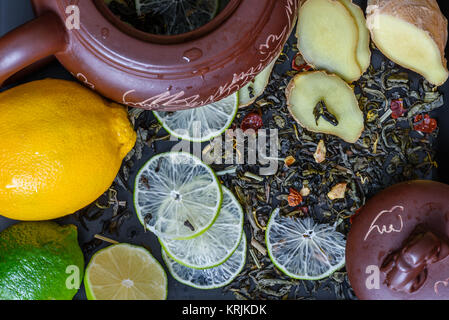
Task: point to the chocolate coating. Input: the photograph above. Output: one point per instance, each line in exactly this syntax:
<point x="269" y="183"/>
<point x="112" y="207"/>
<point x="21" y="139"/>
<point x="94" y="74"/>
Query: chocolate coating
<point x="398" y="246"/>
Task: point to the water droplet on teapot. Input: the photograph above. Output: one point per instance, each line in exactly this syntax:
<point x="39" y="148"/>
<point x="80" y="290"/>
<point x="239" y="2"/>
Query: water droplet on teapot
<point x="104" y="33"/>
<point x="201" y="72"/>
<point x="192" y="54"/>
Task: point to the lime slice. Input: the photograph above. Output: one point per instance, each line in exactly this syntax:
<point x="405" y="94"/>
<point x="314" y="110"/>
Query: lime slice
<point x="177" y="196"/>
<point x="303" y="249"/>
<point x="215" y="245"/>
<point x="175" y="17"/>
<point x="202" y="123"/>
<point x="212" y="278"/>
<point x="125" y="272"/>
<point x="255" y="88"/>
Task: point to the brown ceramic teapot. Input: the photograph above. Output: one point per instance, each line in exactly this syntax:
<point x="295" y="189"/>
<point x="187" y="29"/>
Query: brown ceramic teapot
<point x="153" y="71"/>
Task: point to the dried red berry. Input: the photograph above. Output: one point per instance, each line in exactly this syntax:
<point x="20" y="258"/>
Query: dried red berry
<point x="397" y="108"/>
<point x="304" y="210"/>
<point x="425" y="124"/>
<point x="252" y="121"/>
<point x="294" y="198"/>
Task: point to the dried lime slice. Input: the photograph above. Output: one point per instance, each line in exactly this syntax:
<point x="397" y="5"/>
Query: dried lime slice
<point x="173" y="17"/>
<point x="211" y="278"/>
<point x="177" y="196"/>
<point x="303" y="249"/>
<point x="202" y="123"/>
<point x="215" y="245"/>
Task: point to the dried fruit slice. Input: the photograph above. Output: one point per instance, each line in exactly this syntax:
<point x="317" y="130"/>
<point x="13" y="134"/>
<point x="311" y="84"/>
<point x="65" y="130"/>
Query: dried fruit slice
<point x="203" y="123"/>
<point x="176" y="17"/>
<point x="325" y="103"/>
<point x="411" y="33"/>
<point x="215" y="245"/>
<point x="303" y="249"/>
<point x="177" y="196"/>
<point x="212" y="278"/>
<point x="363" y="46"/>
<point x="328" y="38"/>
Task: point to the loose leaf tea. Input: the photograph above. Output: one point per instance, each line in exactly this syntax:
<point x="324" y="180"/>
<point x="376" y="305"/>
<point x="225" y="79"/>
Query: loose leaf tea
<point x="389" y="151"/>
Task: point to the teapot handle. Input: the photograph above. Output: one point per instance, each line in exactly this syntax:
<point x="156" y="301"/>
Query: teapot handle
<point x="31" y="42"/>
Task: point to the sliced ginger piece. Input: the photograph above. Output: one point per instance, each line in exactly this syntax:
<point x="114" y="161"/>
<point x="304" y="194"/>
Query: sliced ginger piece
<point x="307" y="92"/>
<point x="255" y="88"/>
<point x="411" y="33"/>
<point x="363" y="46"/>
<point x="328" y="38"/>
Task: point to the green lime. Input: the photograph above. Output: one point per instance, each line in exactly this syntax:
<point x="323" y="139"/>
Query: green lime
<point x="177" y="196"/>
<point x="40" y="261"/>
<point x="211" y="278"/>
<point x="202" y="123"/>
<point x="303" y="249"/>
<point x="215" y="245"/>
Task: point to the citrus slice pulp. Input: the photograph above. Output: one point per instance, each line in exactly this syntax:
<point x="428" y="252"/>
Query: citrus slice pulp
<point x="215" y="245"/>
<point x="303" y="249"/>
<point x="125" y="272"/>
<point x="211" y="278"/>
<point x="177" y="196"/>
<point x="203" y="123"/>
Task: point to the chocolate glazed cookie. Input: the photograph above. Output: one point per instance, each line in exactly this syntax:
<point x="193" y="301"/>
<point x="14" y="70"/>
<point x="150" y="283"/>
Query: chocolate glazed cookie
<point x="398" y="246"/>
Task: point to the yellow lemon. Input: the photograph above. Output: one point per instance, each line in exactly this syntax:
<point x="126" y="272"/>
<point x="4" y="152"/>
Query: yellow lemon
<point x="61" y="146"/>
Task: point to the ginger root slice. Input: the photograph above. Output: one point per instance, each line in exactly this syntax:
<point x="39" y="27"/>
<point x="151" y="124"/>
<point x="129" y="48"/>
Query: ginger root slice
<point x="328" y="38"/>
<point x="411" y="33"/>
<point x="256" y="87"/>
<point x="309" y="90"/>
<point x="363" y="46"/>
